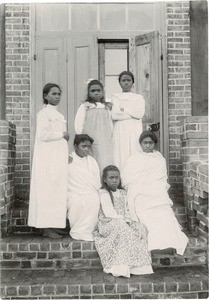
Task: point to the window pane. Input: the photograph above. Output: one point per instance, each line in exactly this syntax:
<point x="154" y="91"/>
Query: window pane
<point x="115" y="61"/>
<point x="111" y="86"/>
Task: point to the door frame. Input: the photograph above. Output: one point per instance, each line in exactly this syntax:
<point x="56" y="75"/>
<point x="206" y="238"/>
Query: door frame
<point x="106" y="35"/>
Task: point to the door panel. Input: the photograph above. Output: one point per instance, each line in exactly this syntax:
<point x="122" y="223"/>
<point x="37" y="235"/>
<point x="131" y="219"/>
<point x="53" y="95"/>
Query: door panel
<point x="50" y="67"/>
<point x="149" y="81"/>
<point x="82" y="65"/>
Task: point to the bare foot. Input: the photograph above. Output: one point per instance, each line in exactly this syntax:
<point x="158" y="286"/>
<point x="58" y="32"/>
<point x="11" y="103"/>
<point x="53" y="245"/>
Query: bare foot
<point x="50" y="233"/>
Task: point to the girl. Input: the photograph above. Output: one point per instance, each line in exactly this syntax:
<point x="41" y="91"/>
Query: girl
<point x="120" y="242"/>
<point x="83" y="189"/>
<point x="127" y="112"/>
<point x="48" y="190"/>
<point x="145" y="177"/>
<point x="93" y="118"/>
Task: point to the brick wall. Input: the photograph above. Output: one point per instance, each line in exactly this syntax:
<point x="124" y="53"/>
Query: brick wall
<point x="194" y="152"/>
<point x="7" y="169"/>
<point x="199" y="197"/>
<point x="179" y="86"/>
<point x="17" y="30"/>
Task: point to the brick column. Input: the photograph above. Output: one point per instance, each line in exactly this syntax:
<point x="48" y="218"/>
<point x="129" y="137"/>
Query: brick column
<point x="194" y="152"/>
<point x="17" y="27"/>
<point x="2" y="62"/>
<point x="179" y="87"/>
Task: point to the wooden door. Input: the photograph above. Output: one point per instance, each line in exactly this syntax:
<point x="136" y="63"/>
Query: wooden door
<point x="82" y="65"/>
<point x="149" y="80"/>
<point x="50" y="66"/>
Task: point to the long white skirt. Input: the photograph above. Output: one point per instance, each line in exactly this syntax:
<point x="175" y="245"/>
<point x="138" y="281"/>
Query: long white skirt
<point x="83" y="215"/>
<point x="164" y="230"/>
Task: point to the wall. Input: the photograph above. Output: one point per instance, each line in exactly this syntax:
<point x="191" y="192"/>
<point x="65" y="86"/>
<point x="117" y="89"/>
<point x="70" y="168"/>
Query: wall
<point x="7" y="168"/>
<point x="179" y="87"/>
<point x="194" y="152"/>
<point x="17" y="30"/>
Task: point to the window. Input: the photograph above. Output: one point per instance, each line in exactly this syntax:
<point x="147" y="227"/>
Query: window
<point x="113" y="59"/>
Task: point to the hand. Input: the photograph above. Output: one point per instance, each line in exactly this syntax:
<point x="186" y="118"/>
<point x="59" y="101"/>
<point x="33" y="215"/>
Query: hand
<point x="66" y="136"/>
<point x="108" y="105"/>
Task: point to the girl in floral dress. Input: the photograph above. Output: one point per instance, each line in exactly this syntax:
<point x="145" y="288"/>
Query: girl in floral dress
<point x="94" y="118"/>
<point x="121" y="243"/>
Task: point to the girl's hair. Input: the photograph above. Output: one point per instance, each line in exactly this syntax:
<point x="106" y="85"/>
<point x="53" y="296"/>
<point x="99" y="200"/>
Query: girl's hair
<point x="146" y="134"/>
<point x="104" y="176"/>
<point x="92" y="82"/>
<point x="126" y="73"/>
<point x="82" y="138"/>
<point x="47" y="88"/>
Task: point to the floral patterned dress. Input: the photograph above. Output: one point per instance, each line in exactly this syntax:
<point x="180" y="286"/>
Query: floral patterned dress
<point x="121" y="243"/>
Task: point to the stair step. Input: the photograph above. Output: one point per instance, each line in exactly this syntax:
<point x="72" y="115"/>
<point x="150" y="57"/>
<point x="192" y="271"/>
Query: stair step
<point x="184" y="282"/>
<point x="20" y="218"/>
<point x="36" y="252"/>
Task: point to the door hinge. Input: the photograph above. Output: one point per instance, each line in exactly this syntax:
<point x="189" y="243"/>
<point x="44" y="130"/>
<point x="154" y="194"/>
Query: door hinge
<point x="34" y="57"/>
<point x="161" y="56"/>
<point x="66" y="57"/>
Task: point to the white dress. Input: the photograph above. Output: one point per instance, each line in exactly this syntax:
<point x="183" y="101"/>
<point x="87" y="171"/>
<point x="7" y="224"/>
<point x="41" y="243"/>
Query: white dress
<point x="127" y="126"/>
<point x="95" y="120"/>
<point x="121" y="243"/>
<point x="83" y="196"/>
<point x="145" y="178"/>
<point x="48" y="189"/>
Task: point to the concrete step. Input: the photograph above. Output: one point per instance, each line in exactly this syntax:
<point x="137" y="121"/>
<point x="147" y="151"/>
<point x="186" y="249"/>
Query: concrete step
<point x="175" y="283"/>
<point x="36" y="252"/>
<point x="20" y="218"/>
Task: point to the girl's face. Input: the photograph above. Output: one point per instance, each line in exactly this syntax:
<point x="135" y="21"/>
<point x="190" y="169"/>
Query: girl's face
<point x="83" y="148"/>
<point x="148" y="145"/>
<point x="112" y="180"/>
<point x="126" y="83"/>
<point x="96" y="92"/>
<point x="53" y="97"/>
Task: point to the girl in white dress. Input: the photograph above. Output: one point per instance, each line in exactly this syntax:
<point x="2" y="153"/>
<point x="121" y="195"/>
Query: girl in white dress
<point x="127" y="112"/>
<point x="145" y="178"/>
<point x="121" y="242"/>
<point x="48" y="190"/>
<point x="83" y="189"/>
<point x="94" y="118"/>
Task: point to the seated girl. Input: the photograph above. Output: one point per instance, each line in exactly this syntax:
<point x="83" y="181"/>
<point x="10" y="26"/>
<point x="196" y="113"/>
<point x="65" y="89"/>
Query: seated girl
<point x="145" y="178"/>
<point x="83" y="189"/>
<point x="120" y="242"/>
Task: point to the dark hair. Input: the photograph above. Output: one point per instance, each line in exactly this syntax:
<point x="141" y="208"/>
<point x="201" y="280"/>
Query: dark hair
<point x="92" y="82"/>
<point x="47" y="88"/>
<point x="82" y="138"/>
<point x="104" y="175"/>
<point x="126" y="73"/>
<point x="146" y="134"/>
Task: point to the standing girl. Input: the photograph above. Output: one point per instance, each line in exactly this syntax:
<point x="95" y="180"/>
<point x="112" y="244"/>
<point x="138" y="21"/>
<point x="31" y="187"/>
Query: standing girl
<point x="48" y="190"/>
<point x="94" y="118"/>
<point x="127" y="112"/>
<point x="120" y="242"/>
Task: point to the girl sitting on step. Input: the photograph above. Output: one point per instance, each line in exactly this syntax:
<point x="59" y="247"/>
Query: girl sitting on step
<point x="121" y="243"/>
<point x="145" y="178"/>
<point x="83" y="189"/>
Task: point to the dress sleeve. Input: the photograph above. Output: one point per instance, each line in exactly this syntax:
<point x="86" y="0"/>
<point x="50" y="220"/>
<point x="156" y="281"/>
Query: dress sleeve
<point x="44" y="131"/>
<point x="80" y="119"/>
<point x="117" y="114"/>
<point x="138" y="109"/>
<point x="107" y="206"/>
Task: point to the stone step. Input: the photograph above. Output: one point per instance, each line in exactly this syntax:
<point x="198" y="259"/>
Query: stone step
<point x="175" y="283"/>
<point x="36" y="252"/>
<point x="20" y="218"/>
